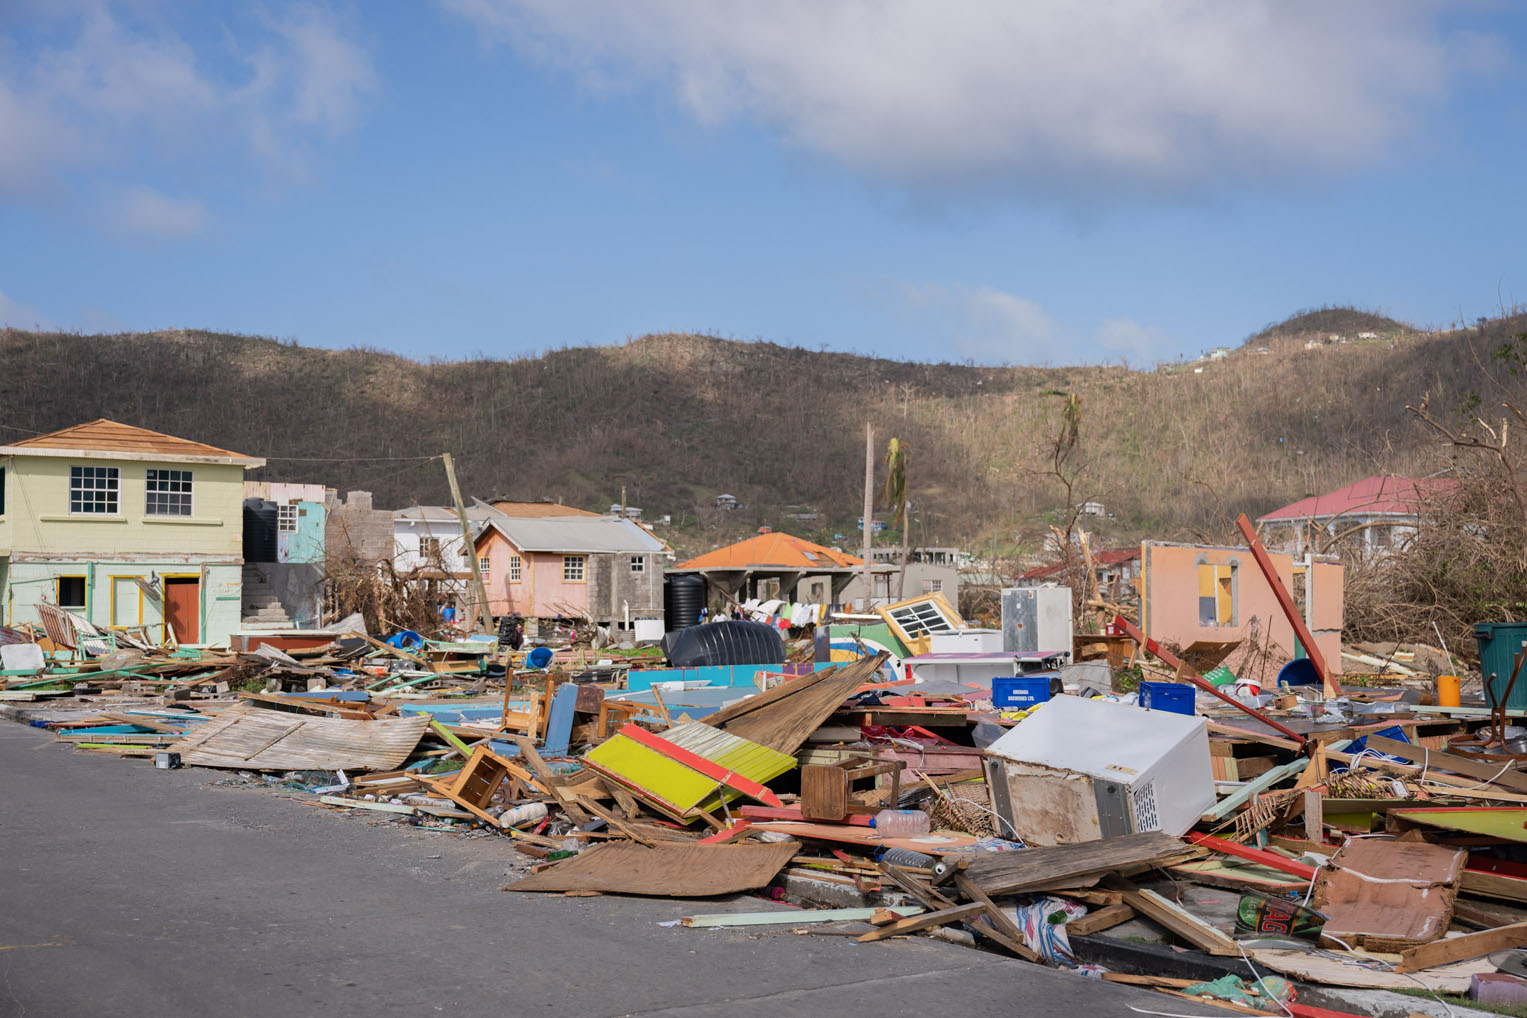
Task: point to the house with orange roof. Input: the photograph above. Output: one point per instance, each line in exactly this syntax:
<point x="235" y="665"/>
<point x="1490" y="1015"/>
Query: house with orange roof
<point x="126" y="527"/>
<point x="800" y="570"/>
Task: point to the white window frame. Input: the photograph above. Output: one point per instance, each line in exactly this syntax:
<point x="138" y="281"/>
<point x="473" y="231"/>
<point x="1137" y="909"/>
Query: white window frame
<point x="429" y="549"/>
<point x="286" y="519"/>
<point x="110" y="479"/>
<point x="572" y="564"/>
<point x="638" y="563"/>
<point x="484" y="566"/>
<point x="180" y="477"/>
<point x="516" y="566"/>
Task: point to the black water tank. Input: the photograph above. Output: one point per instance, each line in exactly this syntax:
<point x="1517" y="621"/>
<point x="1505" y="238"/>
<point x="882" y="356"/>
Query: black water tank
<point x="683" y="600"/>
<point x="259" y="530"/>
<point x="733" y="642"/>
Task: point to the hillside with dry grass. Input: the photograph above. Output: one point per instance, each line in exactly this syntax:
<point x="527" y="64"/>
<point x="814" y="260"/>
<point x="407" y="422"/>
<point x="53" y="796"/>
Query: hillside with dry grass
<point x="678" y="419"/>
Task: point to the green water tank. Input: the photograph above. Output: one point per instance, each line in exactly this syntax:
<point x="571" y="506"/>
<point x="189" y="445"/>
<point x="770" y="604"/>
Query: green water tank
<point x="1499" y="644"/>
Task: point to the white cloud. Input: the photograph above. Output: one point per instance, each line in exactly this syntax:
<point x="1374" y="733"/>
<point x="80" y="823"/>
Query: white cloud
<point x="105" y="93"/>
<point x="143" y="211"/>
<point x="1137" y="344"/>
<point x="982" y="323"/>
<point x="1050" y="95"/>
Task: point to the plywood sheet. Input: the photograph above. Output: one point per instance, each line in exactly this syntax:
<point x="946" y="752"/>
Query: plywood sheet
<point x="677" y="871"/>
<point x="253" y="738"/>
<point x="1334" y="968"/>
<point x="1001" y="873"/>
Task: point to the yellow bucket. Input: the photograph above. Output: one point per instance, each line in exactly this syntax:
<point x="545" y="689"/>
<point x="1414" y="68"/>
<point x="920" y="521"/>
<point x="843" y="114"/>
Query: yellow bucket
<point x="1447" y="690"/>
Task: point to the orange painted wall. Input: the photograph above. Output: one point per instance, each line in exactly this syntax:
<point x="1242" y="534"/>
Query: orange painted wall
<point x="1169" y="587"/>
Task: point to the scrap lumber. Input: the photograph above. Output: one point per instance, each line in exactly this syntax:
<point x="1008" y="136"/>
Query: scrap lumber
<point x="547" y="780"/>
<point x="921" y="892"/>
<point x="1506" y="775"/>
<point x="1260" y="856"/>
<point x="1290" y="610"/>
<point x="1470" y="945"/>
<point x="1105" y="918"/>
<point x="252" y="738"/>
<point x="784" y="717"/>
<point x="1035" y="869"/>
<point x="695" y="761"/>
<point x="667" y="870"/>
<point x="1180" y="921"/>
<point x="943" y="917"/>
<point x="936" y="843"/>
<point x="688" y="771"/>
<point x="1185" y="672"/>
<point x="1342" y="968"/>
<point x="474" y="785"/>
<point x="996" y="924"/>
<point x="798" y="917"/>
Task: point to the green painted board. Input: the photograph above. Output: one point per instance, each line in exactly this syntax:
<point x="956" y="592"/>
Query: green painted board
<point x="1508" y="823"/>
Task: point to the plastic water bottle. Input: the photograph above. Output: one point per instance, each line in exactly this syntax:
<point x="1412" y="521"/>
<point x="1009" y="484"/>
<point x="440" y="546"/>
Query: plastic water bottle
<point x="905" y="857"/>
<point x="896" y="823"/>
<point x="519" y="815"/>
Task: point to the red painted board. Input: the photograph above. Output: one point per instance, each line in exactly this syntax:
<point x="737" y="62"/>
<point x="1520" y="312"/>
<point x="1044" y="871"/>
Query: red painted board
<point x="710" y="769"/>
<point x="1256" y="855"/>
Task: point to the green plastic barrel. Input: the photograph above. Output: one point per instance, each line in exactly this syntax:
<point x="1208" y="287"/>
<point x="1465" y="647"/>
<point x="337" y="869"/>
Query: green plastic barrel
<point x="1499" y="644"/>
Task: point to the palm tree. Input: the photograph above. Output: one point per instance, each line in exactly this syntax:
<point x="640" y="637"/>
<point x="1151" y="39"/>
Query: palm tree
<point x="894" y="495"/>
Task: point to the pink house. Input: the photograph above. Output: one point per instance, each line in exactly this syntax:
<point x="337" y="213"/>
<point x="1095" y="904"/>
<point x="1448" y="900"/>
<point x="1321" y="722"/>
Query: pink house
<point x="1198" y="594"/>
<point x="610" y="570"/>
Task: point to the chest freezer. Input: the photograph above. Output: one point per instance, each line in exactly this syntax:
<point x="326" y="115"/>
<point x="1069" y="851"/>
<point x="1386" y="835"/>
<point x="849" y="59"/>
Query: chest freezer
<point x="1080" y="770"/>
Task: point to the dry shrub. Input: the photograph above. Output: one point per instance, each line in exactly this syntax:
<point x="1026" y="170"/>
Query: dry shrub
<point x="1467" y="562"/>
<point x="387" y="599"/>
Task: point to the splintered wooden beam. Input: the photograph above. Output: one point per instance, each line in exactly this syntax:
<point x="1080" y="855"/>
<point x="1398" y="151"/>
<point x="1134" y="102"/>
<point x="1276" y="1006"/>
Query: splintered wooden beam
<point x="694" y="761"/>
<point x="1290" y="610"/>
<point x="1470" y="945"/>
<point x="957" y="914"/>
<point x="1180" y="921"/>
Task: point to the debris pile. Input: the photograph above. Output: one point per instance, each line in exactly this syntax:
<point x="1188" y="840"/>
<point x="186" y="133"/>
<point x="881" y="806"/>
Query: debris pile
<point x="1286" y="840"/>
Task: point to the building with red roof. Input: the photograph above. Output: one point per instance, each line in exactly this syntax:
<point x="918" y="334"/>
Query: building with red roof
<point x="1374" y="514"/>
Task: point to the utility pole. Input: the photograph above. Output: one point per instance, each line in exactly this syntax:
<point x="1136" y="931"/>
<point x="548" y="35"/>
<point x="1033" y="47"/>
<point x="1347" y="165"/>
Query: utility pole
<point x="869" y="509"/>
<point x="484" y="616"/>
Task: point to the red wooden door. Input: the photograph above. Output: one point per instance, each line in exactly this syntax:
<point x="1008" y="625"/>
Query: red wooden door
<point x="182" y="608"/>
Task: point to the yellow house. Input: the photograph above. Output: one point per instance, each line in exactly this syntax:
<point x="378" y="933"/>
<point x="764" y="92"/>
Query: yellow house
<point x="125" y="526"/>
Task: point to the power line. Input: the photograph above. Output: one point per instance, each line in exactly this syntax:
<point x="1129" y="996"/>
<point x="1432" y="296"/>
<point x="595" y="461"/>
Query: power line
<point x="347" y="459"/>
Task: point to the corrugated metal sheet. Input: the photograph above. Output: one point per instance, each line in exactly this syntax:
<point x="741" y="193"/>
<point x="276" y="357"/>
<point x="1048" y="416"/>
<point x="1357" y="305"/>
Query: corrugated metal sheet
<point x="580" y="534"/>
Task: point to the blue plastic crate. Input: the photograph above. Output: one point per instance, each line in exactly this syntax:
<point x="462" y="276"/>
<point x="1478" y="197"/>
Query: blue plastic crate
<point x="1019" y="692"/>
<point x="1169" y="696"/>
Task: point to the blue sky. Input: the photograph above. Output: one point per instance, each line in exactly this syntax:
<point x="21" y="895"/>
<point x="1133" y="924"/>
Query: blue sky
<point x="1041" y="182"/>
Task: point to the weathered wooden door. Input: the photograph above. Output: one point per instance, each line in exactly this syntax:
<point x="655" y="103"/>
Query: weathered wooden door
<point x="182" y="607"/>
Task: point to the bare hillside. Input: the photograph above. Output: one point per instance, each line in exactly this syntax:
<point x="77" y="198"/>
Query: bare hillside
<point x="680" y="419"/>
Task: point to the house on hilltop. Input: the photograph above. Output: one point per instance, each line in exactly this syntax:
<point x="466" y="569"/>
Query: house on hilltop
<point x="1372" y="516"/>
<point x="126" y="527"/>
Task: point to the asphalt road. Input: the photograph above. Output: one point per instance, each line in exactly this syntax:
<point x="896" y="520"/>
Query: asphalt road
<point x="126" y="890"/>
